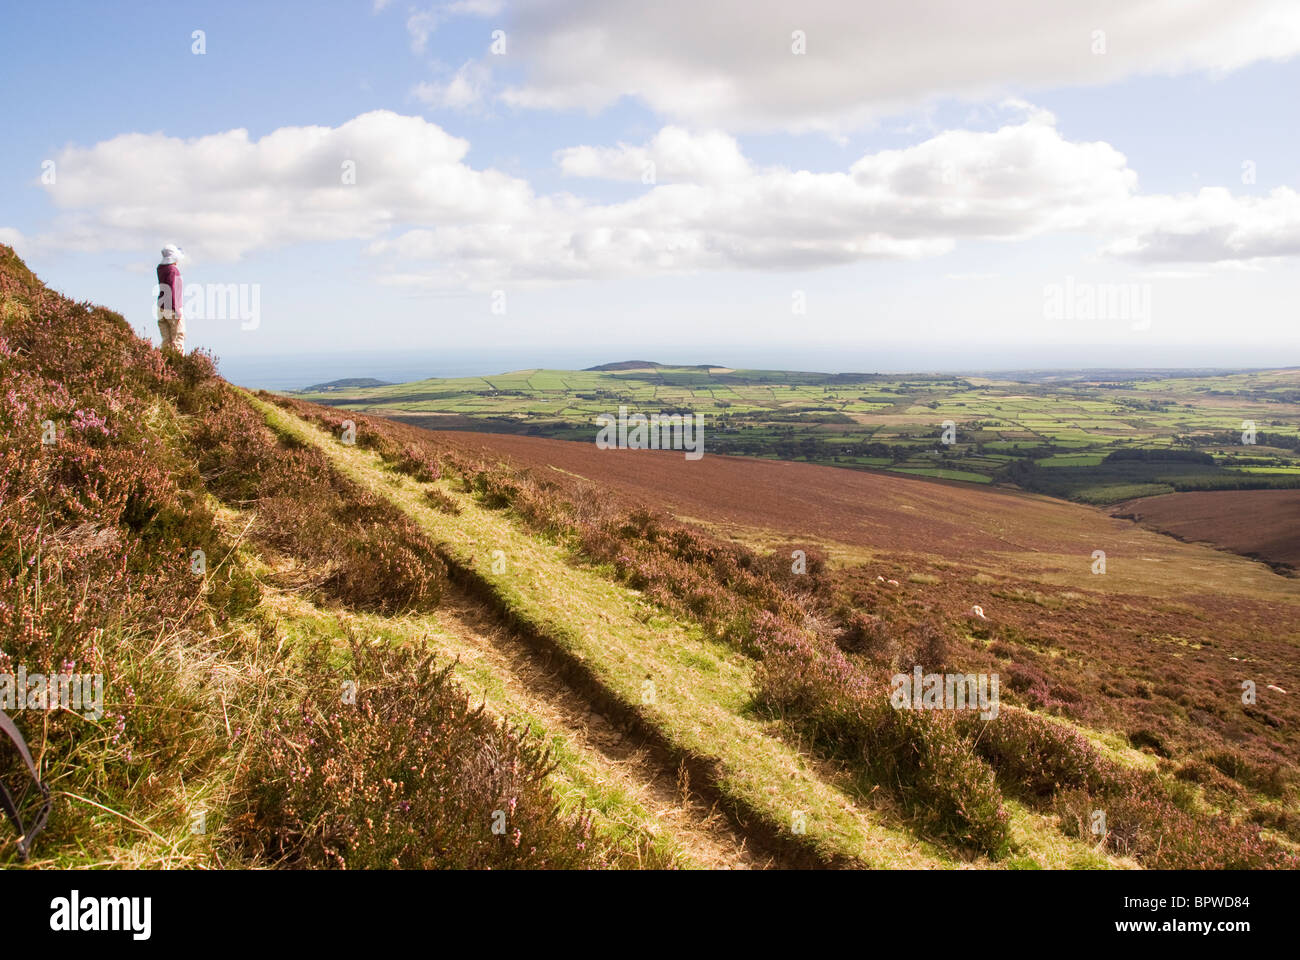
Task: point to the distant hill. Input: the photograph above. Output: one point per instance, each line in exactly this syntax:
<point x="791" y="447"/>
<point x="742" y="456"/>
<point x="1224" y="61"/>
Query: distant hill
<point x="345" y="383"/>
<point x="650" y="364"/>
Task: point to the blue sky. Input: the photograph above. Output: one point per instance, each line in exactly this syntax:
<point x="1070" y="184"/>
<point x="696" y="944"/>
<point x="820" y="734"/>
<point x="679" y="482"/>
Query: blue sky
<point x="916" y="181"/>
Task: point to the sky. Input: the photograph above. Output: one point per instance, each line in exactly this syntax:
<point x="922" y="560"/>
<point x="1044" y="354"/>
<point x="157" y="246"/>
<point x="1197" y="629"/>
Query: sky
<point x="845" y="185"/>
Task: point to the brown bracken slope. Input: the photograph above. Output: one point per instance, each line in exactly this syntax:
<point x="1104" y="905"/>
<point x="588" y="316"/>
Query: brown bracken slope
<point x="1255" y="523"/>
<point x="861" y="514"/>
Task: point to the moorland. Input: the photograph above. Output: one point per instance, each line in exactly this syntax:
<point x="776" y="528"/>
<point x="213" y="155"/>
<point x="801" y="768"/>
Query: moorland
<point x="331" y="639"/>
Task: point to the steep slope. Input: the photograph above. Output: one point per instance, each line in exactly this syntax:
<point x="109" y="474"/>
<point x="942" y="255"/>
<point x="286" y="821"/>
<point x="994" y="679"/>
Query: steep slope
<point x="638" y="662"/>
<point x="614" y="643"/>
<point x="220" y="586"/>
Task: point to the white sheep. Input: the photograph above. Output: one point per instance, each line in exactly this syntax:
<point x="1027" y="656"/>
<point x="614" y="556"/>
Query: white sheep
<point x="978" y="611"/>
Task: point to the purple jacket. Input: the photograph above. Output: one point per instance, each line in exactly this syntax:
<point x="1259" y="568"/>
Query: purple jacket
<point x="169" y="279"/>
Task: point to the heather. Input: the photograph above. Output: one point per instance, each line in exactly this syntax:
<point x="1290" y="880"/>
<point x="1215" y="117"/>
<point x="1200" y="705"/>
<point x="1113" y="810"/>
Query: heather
<point x="346" y="543"/>
<point x="97" y="530"/>
<point x="146" y="514"/>
<point x="749" y="601"/>
<point x="947" y="792"/>
<point x="826" y="640"/>
<point x="410" y="775"/>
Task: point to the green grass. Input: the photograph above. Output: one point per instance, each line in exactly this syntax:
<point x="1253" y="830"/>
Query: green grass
<point x="613" y="631"/>
<point x="581" y="779"/>
<point x="860" y="420"/>
<point x="703" y="689"/>
<point x="944" y="474"/>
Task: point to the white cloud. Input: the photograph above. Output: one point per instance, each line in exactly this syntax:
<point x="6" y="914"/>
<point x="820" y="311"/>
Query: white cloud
<point x="226" y="195"/>
<point x="420" y="25"/>
<point x="729" y="65"/>
<point x="475" y="8"/>
<point x="673" y="155"/>
<point x="11" y="236"/>
<point x="437" y="221"/>
<point x="1210" y="226"/>
<point x="721" y="213"/>
<point x="466" y="89"/>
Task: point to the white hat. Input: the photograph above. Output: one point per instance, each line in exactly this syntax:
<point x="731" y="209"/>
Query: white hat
<point x="172" y="253"/>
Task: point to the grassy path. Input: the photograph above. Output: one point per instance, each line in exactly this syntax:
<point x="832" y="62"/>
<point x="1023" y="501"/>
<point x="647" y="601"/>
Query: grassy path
<point x="637" y="803"/>
<point x="687" y="695"/>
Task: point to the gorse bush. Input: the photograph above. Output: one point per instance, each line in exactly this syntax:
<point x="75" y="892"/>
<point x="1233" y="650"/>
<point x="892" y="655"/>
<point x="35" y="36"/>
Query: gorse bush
<point x="407" y="775"/>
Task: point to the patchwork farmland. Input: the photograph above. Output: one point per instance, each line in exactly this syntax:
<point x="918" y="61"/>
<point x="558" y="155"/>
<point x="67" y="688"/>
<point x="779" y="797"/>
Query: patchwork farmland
<point x="1057" y="433"/>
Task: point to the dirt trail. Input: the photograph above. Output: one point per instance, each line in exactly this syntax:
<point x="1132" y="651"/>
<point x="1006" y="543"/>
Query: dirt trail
<point x="705" y="834"/>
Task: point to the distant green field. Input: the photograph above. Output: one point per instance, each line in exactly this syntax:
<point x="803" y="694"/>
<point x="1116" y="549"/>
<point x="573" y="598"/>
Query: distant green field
<point x="1071" y="460"/>
<point x="946" y="474"/>
<point x="1046" y="432"/>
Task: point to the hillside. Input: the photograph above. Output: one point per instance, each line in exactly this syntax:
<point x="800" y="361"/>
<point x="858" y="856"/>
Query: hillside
<point x="362" y="644"/>
<point x="1264" y="524"/>
<point x="345" y="383"/>
<point x="622" y="365"/>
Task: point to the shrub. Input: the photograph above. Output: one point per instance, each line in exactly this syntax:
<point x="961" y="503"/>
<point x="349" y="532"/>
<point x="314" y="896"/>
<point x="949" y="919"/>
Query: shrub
<point x="931" y="648"/>
<point x="920" y="756"/>
<point x="440" y="501"/>
<point x="1035" y="757"/>
<point x="1148" y="738"/>
<point x="865" y="633"/>
<point x="410" y="776"/>
<point x="359" y="548"/>
<point x="1141" y="822"/>
<point x="1027" y="680"/>
<point x="414" y="462"/>
<point x="1264" y="774"/>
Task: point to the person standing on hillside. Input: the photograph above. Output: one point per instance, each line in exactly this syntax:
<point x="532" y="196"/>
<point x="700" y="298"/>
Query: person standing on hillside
<point x="171" y="323"/>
